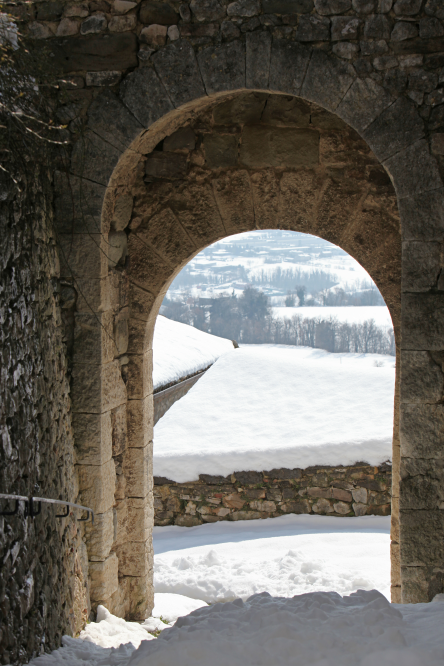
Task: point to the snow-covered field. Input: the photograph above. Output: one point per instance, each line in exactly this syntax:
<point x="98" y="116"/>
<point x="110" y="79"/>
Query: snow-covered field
<point x="325" y="626"/>
<point x="180" y="350"/>
<point x="267" y="406"/>
<point x="283" y="556"/>
<point x="351" y="315"/>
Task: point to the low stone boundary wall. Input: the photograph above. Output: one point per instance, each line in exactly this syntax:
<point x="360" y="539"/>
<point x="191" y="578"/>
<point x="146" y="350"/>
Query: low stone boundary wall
<point x="356" y="490"/>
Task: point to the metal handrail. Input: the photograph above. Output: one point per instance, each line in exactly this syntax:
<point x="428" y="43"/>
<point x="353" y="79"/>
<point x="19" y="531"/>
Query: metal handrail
<point x="33" y="506"/>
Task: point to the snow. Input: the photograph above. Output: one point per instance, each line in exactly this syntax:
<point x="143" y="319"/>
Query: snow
<point x="283" y="556"/>
<point x="180" y="350"/>
<point x="352" y="315"/>
<point x="111" y="631"/>
<point x="316" y="629"/>
<point x="268" y="406"/>
<point x="171" y="606"/>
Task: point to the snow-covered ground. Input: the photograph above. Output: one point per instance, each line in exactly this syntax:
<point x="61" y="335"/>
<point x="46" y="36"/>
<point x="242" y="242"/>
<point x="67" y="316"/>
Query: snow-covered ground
<point x="352" y="315"/>
<point x="268" y="406"/>
<point x="180" y="350"/>
<point x="283" y="556"/>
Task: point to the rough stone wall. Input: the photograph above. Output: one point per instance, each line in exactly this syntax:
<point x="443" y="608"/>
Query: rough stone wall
<point x="137" y="72"/>
<point x="356" y="490"/>
<point x="43" y="578"/>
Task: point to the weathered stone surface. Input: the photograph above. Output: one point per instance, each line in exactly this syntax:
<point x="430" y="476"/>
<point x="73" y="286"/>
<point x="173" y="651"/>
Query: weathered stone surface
<point x="102" y="79"/>
<point x="363" y="103"/>
<point x="136" y="463"/>
<point x="154" y="35"/>
<point x="407" y="7"/>
<point x="422" y="484"/>
<point x="287" y="6"/>
<point x="313" y="28"/>
<point x="327" y="80"/>
<point x="93" y="158"/>
<point x="107" y="52"/>
<point x="430" y="27"/>
<point x="145" y="96"/>
<point x="122" y="23"/>
<point x="235" y="202"/>
<point x="157" y="12"/>
<point x="97" y="389"/>
<point x="110" y="120"/>
<point x="429" y="549"/>
<point x="278" y="147"/>
<point x="398" y="127"/>
<point x="93" y="438"/>
<point x="78" y="204"/>
<point x="177" y="68"/>
<point x="377" y="27"/>
<point x="414" y="170"/>
<point x="170" y="166"/>
<point x="207" y="10"/>
<point x="93" y="24"/>
<point x="99" y="537"/>
<point x="183" y="139"/>
<point x="403" y="30"/>
<point x="421" y="266"/>
<point x="223" y="67"/>
<point x="164" y="233"/>
<point x="422" y="377"/>
<point x="344" y="27"/>
<point x="242" y="109"/>
<point x="287" y="111"/>
<point x="93" y="336"/>
<point x="265" y="189"/>
<point x="221" y="150"/>
<point x="104" y="578"/>
<point x="364" y="6"/>
<point x="96" y="484"/>
<point x="245" y="8"/>
<point x="67" y="27"/>
<point x="198" y="213"/>
<point x="258" y="51"/>
<point x="421" y="428"/>
<point x="288" y="66"/>
<point x="82" y="255"/>
<point x="328" y="7"/>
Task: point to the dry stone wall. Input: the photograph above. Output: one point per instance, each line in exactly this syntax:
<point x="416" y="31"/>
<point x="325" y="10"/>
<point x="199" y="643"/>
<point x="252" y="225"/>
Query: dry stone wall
<point x="357" y="490"/>
<point x="43" y="577"/>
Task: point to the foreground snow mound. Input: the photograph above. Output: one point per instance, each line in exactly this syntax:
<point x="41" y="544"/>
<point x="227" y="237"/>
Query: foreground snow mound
<point x="319" y="628"/>
<point x="171" y="606"/>
<point x="180" y="350"/>
<point x="268" y="406"/>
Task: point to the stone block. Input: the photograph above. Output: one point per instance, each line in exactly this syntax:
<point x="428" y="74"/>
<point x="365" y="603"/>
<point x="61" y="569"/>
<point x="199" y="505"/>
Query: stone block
<point x="258" y="52"/>
<point x="133" y="558"/>
<point x="136" y="468"/>
<point x="422" y="541"/>
<point x="244" y="8"/>
<point x="144" y="95"/>
<point x="340" y="494"/>
<point x="233" y="501"/>
<point x="329" y="7"/>
<point x="165" y="234"/>
<point x="234" y="199"/>
<point x="422" y="216"/>
<point x="414" y="170"/>
<point x="342" y="508"/>
<point x="363" y="103"/>
<point x="96" y="485"/>
<point x="93" y="295"/>
<point x="157" y="12"/>
<point x="422" y="485"/>
<point x="220" y="150"/>
<point x="182" y="139"/>
<point x="297" y="200"/>
<point x="168" y="166"/>
<point x="279" y="147"/>
<point x="248" y="477"/>
<point x="207" y="10"/>
<point x="99" y="537"/>
<point x="93" y="24"/>
<point x="345" y="50"/>
<point x="415" y="585"/>
<point x="377" y="26"/>
<point x="82" y="256"/>
<point x="141" y="302"/>
<point x="78" y="204"/>
<point x="422" y="378"/>
<point x="246" y="515"/>
<point x="422" y="321"/>
<point x="119" y="429"/>
<point x="344" y="27"/>
<point x="287" y="111"/>
<point x="223" y="67"/>
<point x="327" y="80"/>
<point x="187" y="521"/>
<point x="322" y="506"/>
<point x="396" y="128"/>
<point x="359" y="508"/>
<point x="122" y="23"/>
<point x="296" y="506"/>
<point x="246" y="108"/>
<point x="139" y="336"/>
<point x="360" y="495"/>
<point x="93" y="338"/>
<point x="93" y="438"/>
<point x="97" y="389"/>
<point x="407" y="7"/>
<point x="263" y="505"/>
<point x="421" y="430"/>
<point x="140" y="520"/>
<point x="96" y="53"/>
<point x="421" y="265"/>
<point x="103" y="578"/>
<point x="136" y="385"/>
<point x="312" y="28"/>
<point x="154" y="35"/>
<point x="265" y="189"/>
<point x="288" y="66"/>
<point x="146" y="268"/>
<point x="430" y="27"/>
<point x="93" y="158"/>
<point x="197" y="211"/>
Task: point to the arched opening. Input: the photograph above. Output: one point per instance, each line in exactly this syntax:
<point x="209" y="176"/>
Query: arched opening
<point x="246" y="161"/>
<point x="235" y="449"/>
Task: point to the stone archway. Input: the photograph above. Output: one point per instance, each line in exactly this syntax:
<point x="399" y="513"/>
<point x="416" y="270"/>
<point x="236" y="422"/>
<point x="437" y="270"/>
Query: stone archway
<point x="108" y="167"/>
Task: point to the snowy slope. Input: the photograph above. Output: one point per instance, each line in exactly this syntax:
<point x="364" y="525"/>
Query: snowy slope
<point x="180" y="350"/>
<point x="352" y="315"/>
<point x="266" y="406"/>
